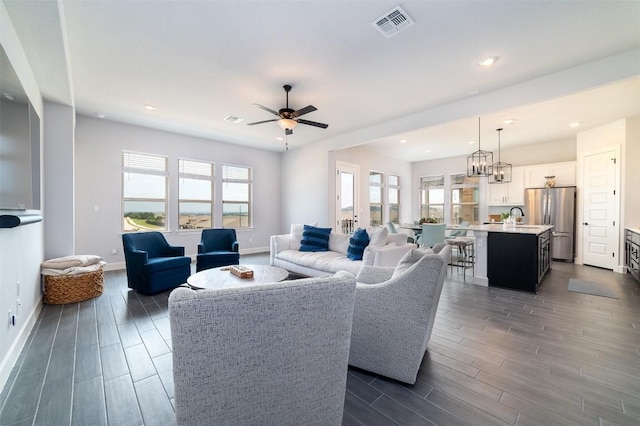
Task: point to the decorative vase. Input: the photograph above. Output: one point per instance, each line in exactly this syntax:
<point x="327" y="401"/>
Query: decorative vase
<point x="551" y="181"/>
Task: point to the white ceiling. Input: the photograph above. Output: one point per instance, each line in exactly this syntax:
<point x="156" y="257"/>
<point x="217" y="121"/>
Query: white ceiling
<point x="200" y="61"/>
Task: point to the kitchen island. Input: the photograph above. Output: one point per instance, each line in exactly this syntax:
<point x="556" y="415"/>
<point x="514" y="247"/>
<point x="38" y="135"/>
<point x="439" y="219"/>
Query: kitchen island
<point x="512" y="256"/>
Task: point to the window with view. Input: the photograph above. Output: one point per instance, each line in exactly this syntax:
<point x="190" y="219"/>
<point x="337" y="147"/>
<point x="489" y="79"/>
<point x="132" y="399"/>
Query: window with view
<point x="195" y="194"/>
<point x="432" y="197"/>
<point x="375" y="198"/>
<point x="144" y="192"/>
<point x="394" y="198"/>
<point x="236" y="196"/>
<point x="464" y="198"/>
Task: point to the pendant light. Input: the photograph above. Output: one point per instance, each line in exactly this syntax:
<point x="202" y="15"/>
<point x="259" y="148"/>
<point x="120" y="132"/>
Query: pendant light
<point x="479" y="163"/>
<point x="501" y="171"/>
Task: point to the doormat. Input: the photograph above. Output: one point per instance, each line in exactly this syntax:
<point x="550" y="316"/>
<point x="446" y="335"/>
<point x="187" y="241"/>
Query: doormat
<point x="591" y="287"/>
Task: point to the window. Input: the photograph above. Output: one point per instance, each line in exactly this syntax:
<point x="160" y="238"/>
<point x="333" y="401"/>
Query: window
<point x="394" y="199"/>
<point x="195" y="194"/>
<point x="144" y="192"/>
<point x="432" y="197"/>
<point x="236" y="196"/>
<point x="464" y="198"/>
<point x="375" y="198"/>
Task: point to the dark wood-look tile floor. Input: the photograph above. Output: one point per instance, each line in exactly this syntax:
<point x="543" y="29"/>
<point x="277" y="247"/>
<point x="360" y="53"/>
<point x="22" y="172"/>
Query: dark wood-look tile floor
<point x="496" y="357"/>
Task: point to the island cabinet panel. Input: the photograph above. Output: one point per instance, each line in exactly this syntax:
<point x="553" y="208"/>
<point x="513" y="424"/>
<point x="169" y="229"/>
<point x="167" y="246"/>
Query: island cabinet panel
<point x="517" y="261"/>
<point x="632" y="253"/>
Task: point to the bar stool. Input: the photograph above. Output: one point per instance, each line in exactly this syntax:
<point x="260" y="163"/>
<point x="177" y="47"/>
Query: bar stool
<point x="465" y="254"/>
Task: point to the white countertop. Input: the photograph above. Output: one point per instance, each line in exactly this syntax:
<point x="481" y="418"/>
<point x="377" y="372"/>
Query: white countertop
<point x="636" y="230"/>
<point x="517" y="229"/>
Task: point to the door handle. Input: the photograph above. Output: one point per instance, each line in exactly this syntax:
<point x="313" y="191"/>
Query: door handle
<point x="585" y="223"/>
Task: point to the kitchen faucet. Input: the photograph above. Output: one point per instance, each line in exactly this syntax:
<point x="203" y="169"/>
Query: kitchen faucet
<point x="512" y="217"/>
<point x="511" y="211"/>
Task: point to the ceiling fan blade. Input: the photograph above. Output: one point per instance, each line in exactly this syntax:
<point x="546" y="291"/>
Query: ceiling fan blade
<point x="260" y="122"/>
<point x="305" y="110"/>
<point x="288" y="131"/>
<point x="266" y="109"/>
<point x="312" y="123"/>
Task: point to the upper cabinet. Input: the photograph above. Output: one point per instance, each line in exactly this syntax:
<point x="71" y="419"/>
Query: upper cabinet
<point x="565" y="174"/>
<point x="508" y="194"/>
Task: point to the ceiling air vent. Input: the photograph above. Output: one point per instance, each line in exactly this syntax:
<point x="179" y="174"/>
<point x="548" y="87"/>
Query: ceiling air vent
<point x="392" y="22"/>
<point x="233" y="119"/>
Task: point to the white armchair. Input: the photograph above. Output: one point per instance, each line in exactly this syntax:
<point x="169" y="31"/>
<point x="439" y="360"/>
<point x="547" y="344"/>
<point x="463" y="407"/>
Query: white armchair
<point x="394" y="313"/>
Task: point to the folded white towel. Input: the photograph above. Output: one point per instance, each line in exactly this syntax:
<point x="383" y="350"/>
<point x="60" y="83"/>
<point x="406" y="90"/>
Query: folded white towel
<point x="74" y="270"/>
<point x="71" y="261"/>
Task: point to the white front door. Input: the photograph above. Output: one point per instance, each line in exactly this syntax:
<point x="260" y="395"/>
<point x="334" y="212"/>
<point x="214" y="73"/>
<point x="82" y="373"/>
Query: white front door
<point x="347" y="197"/>
<point x="600" y="238"/>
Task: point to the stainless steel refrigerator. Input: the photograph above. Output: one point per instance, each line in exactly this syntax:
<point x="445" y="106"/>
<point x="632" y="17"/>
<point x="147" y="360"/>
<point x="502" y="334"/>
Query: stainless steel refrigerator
<point x="557" y="207"/>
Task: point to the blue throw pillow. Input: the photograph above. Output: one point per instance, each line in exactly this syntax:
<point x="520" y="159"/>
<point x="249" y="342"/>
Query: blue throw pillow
<point x="357" y="243"/>
<point x="315" y="239"/>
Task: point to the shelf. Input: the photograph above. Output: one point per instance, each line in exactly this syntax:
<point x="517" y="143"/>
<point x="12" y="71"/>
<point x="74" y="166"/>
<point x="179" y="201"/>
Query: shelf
<point x="14" y="218"/>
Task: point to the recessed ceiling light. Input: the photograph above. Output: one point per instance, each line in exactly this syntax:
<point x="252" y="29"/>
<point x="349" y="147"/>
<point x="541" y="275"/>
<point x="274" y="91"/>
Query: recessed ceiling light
<point x="279" y="138"/>
<point x="509" y="121"/>
<point x="403" y="141"/>
<point x="149" y="107"/>
<point x="474" y="92"/>
<point x="575" y="124"/>
<point x="8" y="96"/>
<point x="427" y="151"/>
<point x="471" y="142"/>
<point x="101" y="115"/>
<point x="487" y="62"/>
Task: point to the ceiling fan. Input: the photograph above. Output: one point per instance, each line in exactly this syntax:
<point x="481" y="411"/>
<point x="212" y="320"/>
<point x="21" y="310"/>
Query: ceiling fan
<point x="288" y="117"/>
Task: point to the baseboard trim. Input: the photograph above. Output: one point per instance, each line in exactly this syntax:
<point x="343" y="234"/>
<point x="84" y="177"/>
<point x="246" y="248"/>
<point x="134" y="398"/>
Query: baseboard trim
<point x="10" y="359"/>
<point x="118" y="266"/>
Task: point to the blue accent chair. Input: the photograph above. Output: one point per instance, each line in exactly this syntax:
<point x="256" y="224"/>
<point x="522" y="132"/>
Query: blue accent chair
<point x="153" y="265"/>
<point x="218" y="247"/>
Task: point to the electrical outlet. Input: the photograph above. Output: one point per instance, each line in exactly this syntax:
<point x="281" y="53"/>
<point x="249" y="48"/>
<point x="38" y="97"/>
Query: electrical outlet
<point x="114" y="251"/>
<point x="250" y="240"/>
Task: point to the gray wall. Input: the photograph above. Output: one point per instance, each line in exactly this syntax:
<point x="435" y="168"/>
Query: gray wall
<point x="21" y="248"/>
<point x="59" y="190"/>
<point x="98" y="181"/>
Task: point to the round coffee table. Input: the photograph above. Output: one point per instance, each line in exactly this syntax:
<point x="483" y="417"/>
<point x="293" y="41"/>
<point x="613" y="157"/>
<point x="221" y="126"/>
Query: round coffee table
<point x="219" y="278"/>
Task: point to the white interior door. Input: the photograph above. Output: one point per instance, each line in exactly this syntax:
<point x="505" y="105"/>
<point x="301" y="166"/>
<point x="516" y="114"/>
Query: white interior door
<point x="347" y="197"/>
<point x="600" y="239"/>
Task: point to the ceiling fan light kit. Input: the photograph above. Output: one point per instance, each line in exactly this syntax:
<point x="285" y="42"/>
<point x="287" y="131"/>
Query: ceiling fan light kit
<point x="287" y="123"/>
<point x="289" y="117"/>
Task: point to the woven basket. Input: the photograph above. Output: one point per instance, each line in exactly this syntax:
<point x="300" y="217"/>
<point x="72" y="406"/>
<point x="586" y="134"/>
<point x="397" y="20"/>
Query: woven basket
<point x="61" y="289"/>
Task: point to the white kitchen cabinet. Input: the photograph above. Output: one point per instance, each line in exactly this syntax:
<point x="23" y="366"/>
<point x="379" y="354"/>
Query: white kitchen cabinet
<point x="508" y="194"/>
<point x="565" y="174"/>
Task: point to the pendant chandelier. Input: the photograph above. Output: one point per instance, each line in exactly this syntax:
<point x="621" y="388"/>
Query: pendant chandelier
<point x="501" y="171"/>
<point x="479" y="163"/>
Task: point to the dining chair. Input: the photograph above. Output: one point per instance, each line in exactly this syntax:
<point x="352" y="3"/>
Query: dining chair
<point x="393" y="230"/>
<point x="459" y="232"/>
<point x="432" y="233"/>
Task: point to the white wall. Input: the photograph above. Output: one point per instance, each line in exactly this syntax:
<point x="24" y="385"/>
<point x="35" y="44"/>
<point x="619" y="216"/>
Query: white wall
<point x="99" y="146"/>
<point x="21" y="248"/>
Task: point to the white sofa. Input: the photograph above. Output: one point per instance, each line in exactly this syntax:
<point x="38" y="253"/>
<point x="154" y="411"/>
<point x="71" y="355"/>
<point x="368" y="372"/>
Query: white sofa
<point x="384" y="249"/>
